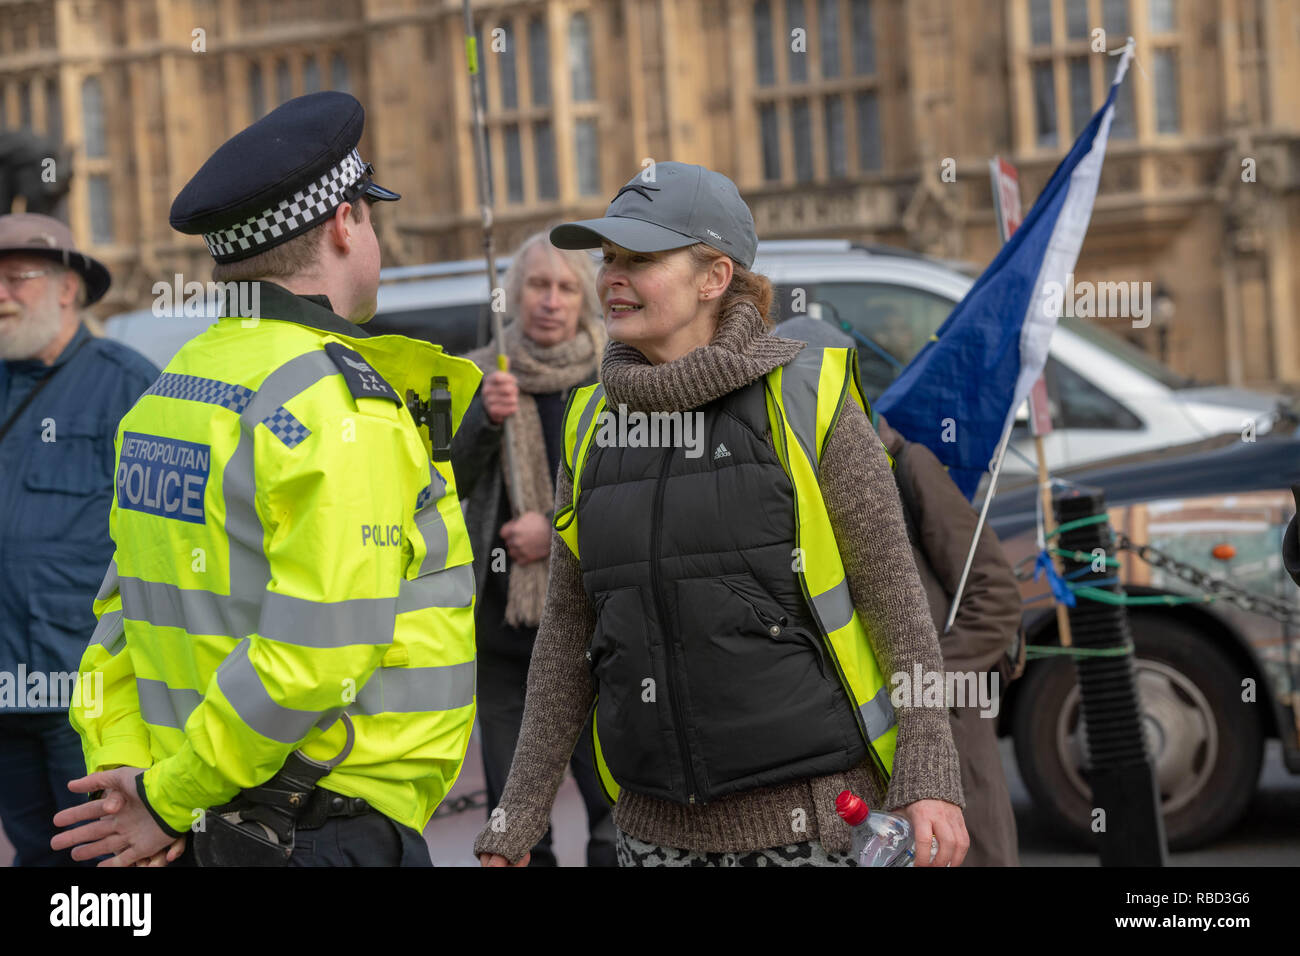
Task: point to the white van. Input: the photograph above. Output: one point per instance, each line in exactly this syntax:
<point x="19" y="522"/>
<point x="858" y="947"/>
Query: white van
<point x="1107" y="397"/>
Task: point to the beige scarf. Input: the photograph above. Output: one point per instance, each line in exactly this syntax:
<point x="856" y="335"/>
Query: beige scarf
<point x="538" y="369"/>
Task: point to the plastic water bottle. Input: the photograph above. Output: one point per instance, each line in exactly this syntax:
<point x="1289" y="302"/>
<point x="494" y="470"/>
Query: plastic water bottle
<point x="879" y="838"/>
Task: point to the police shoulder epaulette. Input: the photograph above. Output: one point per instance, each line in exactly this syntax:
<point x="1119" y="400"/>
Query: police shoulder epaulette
<point x="363" y="381"/>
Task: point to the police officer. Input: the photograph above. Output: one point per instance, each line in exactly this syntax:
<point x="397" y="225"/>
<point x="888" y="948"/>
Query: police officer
<point x="285" y="634"/>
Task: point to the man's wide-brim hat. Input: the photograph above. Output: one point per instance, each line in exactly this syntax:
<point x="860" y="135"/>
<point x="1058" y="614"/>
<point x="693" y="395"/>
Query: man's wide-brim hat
<point x="278" y="178"/>
<point x="37" y="235"/>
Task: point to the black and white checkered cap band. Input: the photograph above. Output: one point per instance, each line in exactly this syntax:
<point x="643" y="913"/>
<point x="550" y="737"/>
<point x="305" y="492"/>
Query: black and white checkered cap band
<point x="290" y="216"/>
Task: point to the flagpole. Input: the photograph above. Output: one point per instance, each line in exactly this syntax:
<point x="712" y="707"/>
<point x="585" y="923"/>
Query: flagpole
<point x="485" y="209"/>
<point x="979" y="525"/>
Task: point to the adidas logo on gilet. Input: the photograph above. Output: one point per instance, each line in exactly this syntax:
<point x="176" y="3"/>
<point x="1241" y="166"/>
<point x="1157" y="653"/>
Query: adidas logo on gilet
<point x="721" y="452"/>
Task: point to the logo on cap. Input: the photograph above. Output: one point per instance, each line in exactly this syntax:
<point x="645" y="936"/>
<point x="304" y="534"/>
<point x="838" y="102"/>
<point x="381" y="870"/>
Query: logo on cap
<point x="638" y="188"/>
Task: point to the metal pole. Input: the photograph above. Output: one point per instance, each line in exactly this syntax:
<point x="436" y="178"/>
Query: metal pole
<point x="979" y="525"/>
<point x="485" y="208"/>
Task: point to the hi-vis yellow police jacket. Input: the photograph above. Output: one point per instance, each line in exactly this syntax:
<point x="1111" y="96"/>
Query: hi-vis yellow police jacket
<point x="286" y="550"/>
<point x="804" y="400"/>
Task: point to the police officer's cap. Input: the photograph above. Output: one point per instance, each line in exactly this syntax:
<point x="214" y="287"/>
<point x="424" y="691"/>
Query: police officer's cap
<point x="278" y="178"/>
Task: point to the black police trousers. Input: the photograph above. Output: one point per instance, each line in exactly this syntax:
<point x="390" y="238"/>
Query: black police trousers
<point x="370" y="839"/>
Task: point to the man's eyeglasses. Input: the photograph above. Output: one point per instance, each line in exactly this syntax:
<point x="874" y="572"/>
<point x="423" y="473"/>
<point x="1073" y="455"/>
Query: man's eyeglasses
<point x="11" y="280"/>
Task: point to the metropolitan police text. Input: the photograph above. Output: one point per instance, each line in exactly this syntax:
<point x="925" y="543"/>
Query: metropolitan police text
<point x="163" y="476"/>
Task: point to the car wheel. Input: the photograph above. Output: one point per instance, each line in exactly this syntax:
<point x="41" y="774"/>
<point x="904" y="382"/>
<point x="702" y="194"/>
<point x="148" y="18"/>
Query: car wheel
<point x="1206" y="742"/>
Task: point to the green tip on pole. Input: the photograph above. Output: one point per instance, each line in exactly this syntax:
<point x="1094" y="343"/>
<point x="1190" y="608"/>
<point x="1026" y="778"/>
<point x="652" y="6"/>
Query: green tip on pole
<point x="471" y="54"/>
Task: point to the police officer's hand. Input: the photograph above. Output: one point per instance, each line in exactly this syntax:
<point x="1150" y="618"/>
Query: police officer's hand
<point x="500" y="396"/>
<point x="528" y="537"/>
<point x="120" y="823"/>
<point x="496" y="859"/>
<point x="162" y="858"/>
<point x="942" y="821"/>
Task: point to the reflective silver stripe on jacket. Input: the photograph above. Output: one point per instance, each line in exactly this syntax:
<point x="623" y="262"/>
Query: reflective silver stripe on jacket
<point x="194" y="611"/>
<point x="109" y="584"/>
<point x="165" y="706"/>
<point x="434" y="531"/>
<point x="799" y="381"/>
<point x="834" y="607"/>
<point x="292" y="620"/>
<point x="415" y="690"/>
<point x="584" y="422"/>
<point x="249" y="569"/>
<point x="239" y="681"/>
<point x="281" y="617"/>
<point x="453" y="587"/>
<point x="878" y="714"/>
<point x="110" y="632"/>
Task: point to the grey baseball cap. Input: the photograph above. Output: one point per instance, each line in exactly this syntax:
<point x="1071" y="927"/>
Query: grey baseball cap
<point x="667" y="206"/>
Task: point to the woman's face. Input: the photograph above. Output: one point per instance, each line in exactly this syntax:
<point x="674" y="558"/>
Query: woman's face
<point x="652" y="301"/>
<point x="550" y="298"/>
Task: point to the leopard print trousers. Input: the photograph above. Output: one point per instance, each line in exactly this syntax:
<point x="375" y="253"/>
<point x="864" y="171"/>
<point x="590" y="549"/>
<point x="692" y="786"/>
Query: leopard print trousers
<point x="634" y="852"/>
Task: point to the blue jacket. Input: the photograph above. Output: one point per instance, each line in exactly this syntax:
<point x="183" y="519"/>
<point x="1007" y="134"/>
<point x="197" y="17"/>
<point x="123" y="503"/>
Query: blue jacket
<point x="56" y="486"/>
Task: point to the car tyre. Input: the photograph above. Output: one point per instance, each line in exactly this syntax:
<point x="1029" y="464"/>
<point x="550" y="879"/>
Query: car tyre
<point x="1207" y="742"/>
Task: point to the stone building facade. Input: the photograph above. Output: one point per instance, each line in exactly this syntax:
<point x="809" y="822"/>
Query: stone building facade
<point x="866" y="119"/>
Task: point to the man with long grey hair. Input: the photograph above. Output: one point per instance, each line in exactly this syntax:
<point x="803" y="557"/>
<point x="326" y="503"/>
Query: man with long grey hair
<point x="554" y="345"/>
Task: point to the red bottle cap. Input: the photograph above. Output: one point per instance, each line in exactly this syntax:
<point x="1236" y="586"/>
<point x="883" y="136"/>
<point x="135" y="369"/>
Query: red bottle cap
<point x="851" y="808"/>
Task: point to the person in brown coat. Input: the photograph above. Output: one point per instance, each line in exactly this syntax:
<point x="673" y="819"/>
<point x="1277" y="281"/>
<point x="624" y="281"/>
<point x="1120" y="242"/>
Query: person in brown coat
<point x="941" y="523"/>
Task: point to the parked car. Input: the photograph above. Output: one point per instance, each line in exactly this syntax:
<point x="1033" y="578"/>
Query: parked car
<point x="1215" y="681"/>
<point x="445" y="303"/>
<point x="1107" y="397"/>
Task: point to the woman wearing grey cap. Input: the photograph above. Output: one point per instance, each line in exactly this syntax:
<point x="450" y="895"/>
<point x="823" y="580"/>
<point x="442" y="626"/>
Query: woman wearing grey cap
<point x="732" y="706"/>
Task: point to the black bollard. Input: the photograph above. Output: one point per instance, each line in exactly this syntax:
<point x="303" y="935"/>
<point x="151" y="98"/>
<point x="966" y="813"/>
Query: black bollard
<point x="1120" y="770"/>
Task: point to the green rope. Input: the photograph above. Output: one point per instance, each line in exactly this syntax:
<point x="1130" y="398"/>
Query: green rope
<point x="1038" y="651"/>
<point x="1079" y="523"/>
<point x="1110" y="597"/>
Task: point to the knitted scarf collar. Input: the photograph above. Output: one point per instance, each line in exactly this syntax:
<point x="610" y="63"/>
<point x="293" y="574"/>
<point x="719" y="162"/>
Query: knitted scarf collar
<point x="742" y="350"/>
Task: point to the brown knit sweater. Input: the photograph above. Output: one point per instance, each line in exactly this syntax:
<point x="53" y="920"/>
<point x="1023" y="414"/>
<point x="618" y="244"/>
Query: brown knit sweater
<point x="866" y="516"/>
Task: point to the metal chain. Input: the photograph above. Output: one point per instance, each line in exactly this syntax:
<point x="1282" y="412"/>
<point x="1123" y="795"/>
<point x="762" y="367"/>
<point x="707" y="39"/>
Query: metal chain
<point x="1243" y="598"/>
<point x="471" y="801"/>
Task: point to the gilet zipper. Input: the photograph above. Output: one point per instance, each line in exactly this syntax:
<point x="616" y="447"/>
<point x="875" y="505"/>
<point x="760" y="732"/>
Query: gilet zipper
<point x="665" y="627"/>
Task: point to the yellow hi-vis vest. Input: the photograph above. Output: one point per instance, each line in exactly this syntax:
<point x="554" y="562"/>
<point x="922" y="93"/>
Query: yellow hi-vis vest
<point x="286" y="550"/>
<point x="804" y="401"/>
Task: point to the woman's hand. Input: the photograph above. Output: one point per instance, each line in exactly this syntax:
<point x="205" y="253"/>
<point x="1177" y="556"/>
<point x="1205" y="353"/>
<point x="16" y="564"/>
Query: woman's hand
<point x="496" y="859"/>
<point x="944" y="822"/>
<point x="500" y="396"/>
<point x="528" y="537"/>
